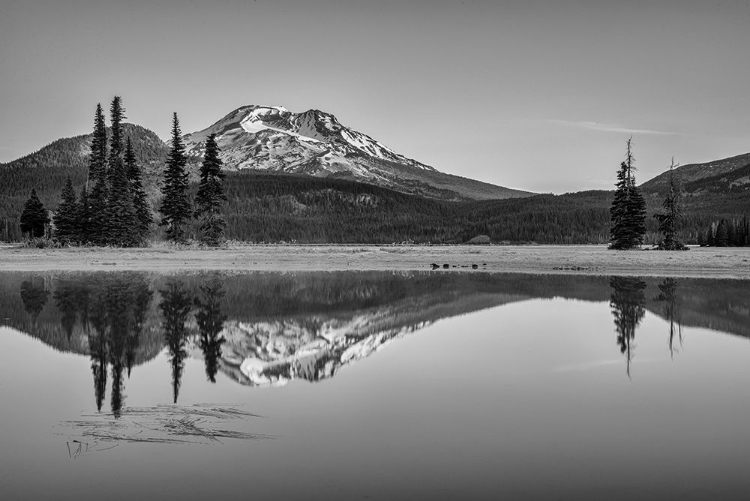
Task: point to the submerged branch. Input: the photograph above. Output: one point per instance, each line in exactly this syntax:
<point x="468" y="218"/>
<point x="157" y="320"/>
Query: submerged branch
<point x="161" y="424"/>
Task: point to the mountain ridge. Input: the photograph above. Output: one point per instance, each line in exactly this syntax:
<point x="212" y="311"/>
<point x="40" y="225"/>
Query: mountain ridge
<point x="690" y="175"/>
<point x="315" y="143"/>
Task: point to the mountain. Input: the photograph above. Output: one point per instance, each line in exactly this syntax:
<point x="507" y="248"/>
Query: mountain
<point x="711" y="177"/>
<point x="315" y="143"/>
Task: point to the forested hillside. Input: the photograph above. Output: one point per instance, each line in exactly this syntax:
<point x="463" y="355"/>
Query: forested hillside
<point x="47" y="169"/>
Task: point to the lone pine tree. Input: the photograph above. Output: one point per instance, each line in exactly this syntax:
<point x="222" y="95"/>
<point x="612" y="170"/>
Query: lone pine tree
<point x="628" y="210"/>
<point x="34" y="217"/>
<point x="669" y="218"/>
<point x="210" y="196"/>
<point x="175" y="207"/>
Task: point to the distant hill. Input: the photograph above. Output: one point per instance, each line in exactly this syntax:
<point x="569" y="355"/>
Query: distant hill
<point x="47" y="169"/>
<point x="714" y="177"/>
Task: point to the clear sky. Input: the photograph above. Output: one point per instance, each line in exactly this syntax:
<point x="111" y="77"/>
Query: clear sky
<point x="536" y="95"/>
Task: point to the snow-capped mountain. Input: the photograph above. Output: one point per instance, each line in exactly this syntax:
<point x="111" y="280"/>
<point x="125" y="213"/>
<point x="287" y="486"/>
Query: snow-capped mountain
<point x="272" y="138"/>
<point x="275" y="139"/>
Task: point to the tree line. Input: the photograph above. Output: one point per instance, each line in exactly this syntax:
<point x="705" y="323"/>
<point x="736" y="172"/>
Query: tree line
<point x="726" y="233"/>
<point x="113" y="209"/>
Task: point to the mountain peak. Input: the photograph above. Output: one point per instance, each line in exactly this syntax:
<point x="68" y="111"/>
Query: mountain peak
<point x="276" y="139"/>
<point x="314" y="142"/>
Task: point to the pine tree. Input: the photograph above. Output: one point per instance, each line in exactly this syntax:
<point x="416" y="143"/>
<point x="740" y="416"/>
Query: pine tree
<point x="669" y="218"/>
<point x="628" y="210"/>
<point x="34" y="217"/>
<point x="210" y="196"/>
<point x="121" y="220"/>
<point x="140" y="202"/>
<point x="175" y="207"/>
<point x="66" y="224"/>
<point x="95" y="231"/>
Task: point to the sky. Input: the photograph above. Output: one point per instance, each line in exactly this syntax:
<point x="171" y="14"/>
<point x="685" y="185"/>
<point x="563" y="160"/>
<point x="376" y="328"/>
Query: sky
<point x="535" y="95"/>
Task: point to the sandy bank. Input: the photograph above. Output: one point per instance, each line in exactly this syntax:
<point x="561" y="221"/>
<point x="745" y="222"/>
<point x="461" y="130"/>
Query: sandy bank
<point x="592" y="260"/>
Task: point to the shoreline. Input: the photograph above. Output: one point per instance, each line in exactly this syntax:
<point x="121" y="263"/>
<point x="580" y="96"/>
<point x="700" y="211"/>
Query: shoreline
<point x="705" y="262"/>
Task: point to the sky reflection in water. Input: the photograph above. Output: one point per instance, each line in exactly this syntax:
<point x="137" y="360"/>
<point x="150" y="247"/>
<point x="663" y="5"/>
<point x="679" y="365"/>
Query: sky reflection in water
<point x="515" y="385"/>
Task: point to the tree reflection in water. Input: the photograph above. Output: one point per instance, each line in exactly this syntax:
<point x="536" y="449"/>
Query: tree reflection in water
<point x="210" y="324"/>
<point x="627" y="303"/>
<point x="110" y="308"/>
<point x="175" y="307"/>
<point x="668" y="294"/>
<point x="34" y="294"/>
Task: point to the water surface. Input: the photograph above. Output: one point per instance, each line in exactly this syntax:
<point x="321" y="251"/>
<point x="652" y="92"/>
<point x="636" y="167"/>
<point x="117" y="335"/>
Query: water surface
<point x="372" y="385"/>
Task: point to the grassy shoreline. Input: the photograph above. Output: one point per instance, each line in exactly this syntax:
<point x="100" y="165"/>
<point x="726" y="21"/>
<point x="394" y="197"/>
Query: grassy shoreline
<point x="727" y="262"/>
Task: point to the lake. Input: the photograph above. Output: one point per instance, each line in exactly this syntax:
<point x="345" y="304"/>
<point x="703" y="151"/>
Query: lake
<point x="372" y="385"/>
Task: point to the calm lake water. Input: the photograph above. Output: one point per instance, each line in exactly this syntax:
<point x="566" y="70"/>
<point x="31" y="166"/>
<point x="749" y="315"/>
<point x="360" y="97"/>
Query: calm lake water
<point x="373" y="386"/>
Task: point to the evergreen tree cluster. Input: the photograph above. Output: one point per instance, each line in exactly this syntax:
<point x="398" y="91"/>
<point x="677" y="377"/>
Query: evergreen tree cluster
<point x="726" y="233"/>
<point x="176" y="209"/>
<point x="115" y="210"/>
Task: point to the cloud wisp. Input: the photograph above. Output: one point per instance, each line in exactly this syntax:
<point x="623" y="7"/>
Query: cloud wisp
<point x="605" y="127"/>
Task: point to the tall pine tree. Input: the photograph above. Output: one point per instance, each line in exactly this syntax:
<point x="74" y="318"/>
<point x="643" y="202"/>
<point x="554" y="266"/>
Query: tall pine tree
<point x="144" y="219"/>
<point x="175" y="207"/>
<point x="66" y="218"/>
<point x="210" y="196"/>
<point x="122" y="227"/>
<point x="96" y="229"/>
<point x="628" y="210"/>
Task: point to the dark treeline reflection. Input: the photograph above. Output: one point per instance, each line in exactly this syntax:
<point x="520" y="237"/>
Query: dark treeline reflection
<point x="113" y="311"/>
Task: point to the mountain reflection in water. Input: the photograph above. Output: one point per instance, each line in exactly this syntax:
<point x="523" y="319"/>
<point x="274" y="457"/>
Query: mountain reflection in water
<point x="265" y="329"/>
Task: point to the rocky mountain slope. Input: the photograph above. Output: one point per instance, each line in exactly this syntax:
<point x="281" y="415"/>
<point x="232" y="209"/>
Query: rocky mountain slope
<point x="273" y="139"/>
<point x="725" y="174"/>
